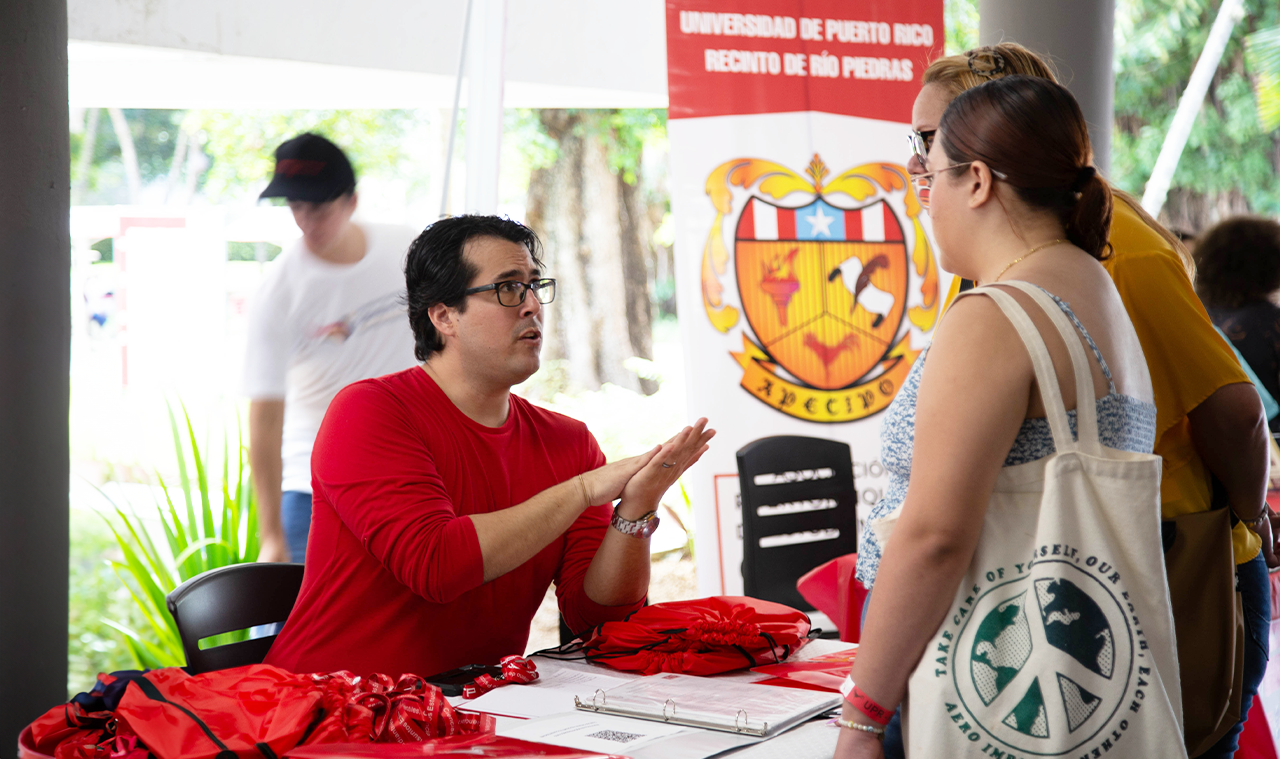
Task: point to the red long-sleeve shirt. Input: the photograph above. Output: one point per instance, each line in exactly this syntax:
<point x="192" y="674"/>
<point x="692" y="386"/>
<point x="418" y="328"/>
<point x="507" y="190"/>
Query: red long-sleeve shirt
<point x="394" y="579"/>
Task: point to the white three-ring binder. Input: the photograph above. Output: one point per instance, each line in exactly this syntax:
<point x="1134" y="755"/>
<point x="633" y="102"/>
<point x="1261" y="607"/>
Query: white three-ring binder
<point x="710" y="703"/>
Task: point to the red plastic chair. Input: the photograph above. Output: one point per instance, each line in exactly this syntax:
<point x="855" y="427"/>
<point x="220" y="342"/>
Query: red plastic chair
<point x="1256" y="741"/>
<point x="833" y="590"/>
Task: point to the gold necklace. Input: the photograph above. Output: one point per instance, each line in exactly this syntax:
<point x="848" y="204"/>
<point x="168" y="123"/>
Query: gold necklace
<point x="1036" y="249"/>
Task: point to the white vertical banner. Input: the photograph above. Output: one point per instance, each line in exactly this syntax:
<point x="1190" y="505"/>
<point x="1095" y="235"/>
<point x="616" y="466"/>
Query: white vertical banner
<point x="806" y="276"/>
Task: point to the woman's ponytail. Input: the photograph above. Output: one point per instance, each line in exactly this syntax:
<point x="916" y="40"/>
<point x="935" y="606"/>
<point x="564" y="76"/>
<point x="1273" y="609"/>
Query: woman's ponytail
<point x="1088" y="220"/>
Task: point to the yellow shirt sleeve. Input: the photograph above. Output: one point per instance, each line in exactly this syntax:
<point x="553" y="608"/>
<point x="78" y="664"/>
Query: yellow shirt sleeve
<point x="1188" y="360"/>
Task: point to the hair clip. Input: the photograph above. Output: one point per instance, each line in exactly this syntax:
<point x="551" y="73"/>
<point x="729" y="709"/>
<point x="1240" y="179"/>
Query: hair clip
<point x="996" y="61"/>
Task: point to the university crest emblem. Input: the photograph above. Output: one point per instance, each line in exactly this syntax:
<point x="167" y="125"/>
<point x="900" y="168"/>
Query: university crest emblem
<point x="826" y="286"/>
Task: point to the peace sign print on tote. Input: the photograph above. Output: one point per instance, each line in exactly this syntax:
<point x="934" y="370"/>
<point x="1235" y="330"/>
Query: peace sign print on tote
<point x="1045" y="660"/>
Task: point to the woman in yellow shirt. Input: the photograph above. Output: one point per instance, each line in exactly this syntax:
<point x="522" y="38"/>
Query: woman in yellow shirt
<point x="1208" y="416"/>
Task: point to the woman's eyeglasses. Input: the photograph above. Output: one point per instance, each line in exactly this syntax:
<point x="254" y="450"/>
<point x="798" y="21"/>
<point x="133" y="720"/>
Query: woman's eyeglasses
<point x="924" y="182"/>
<point x="920" y="143"/>
<point x="511" y="292"/>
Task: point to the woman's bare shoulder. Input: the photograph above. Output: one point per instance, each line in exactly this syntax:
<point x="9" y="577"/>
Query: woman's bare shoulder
<point x="975" y="336"/>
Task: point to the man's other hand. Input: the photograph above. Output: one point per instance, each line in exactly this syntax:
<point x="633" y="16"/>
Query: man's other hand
<point x="605" y="484"/>
<point x="273" y="548"/>
<point x="642" y="492"/>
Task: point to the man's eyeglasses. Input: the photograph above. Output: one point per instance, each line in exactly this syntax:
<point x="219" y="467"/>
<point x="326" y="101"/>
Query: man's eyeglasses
<point x="924" y="182"/>
<point x="920" y="143"/>
<point x="511" y="292"/>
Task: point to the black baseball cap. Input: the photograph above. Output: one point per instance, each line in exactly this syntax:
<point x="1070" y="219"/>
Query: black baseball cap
<point x="310" y="168"/>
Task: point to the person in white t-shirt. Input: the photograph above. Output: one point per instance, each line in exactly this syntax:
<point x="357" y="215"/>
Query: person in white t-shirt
<point x="330" y="311"/>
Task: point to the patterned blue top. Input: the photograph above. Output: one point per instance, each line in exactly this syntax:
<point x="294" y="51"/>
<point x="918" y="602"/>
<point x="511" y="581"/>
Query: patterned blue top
<point x="1124" y="423"/>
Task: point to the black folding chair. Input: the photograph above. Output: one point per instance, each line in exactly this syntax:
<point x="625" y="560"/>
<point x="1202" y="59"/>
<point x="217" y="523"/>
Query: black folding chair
<point x="232" y="598"/>
<point x="799" y="510"/>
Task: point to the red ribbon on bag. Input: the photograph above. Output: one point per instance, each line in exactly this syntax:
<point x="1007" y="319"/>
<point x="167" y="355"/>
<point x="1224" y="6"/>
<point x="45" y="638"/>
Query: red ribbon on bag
<point x="515" y="669"/>
<point x="126" y="746"/>
<point x="407" y="711"/>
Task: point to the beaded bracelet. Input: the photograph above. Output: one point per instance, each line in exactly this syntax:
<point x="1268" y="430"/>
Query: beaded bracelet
<point x="878" y="732"/>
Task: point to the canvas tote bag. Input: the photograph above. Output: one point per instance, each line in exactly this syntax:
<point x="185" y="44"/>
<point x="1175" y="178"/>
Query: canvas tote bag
<point x="1059" y="642"/>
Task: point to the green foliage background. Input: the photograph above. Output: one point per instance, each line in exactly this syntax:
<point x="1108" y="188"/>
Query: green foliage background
<point x="241" y="144"/>
<point x="96" y="594"/>
<point x="961" y="19"/>
<point x="154" y="134"/>
<point x="1157" y="44"/>
<point x="240" y="147"/>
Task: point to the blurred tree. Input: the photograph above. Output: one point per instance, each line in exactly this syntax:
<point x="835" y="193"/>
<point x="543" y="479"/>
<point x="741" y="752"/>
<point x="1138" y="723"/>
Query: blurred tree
<point x="128" y="153"/>
<point x="241" y="144"/>
<point x="100" y="173"/>
<point x="1229" y="165"/>
<point x="590" y="208"/>
<point x="158" y="156"/>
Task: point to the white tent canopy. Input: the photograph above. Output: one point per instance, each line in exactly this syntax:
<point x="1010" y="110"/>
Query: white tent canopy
<point x="375" y="53"/>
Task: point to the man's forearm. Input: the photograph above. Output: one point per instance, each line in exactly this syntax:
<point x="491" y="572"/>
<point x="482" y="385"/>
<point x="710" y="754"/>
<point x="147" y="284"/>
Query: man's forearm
<point x="510" y="537"/>
<point x="267" y="495"/>
<point x="619" y="573"/>
<point x="266" y="432"/>
<point x="1230" y="434"/>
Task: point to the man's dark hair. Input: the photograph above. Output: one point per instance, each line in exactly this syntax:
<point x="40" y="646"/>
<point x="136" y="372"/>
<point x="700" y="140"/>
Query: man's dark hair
<point x="437" y="272"/>
<point x="1238" y="262"/>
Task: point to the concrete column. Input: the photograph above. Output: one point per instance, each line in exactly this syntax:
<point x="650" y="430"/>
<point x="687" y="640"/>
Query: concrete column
<point x="35" y="340"/>
<point x="1077" y="35"/>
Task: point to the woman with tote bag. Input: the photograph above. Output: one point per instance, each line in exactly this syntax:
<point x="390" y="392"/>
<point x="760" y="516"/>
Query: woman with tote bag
<point x="1020" y="607"/>
<point x="1210" y="435"/>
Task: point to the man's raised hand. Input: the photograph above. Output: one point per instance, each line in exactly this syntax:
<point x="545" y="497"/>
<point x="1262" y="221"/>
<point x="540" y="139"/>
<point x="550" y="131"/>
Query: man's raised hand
<point x="682" y="451"/>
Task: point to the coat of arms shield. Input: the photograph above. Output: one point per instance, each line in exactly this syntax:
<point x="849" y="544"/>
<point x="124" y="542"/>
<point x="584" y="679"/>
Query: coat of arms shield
<point x="826" y="287"/>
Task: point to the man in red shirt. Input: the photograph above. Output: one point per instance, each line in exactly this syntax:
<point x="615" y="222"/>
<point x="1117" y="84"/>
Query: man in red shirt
<point x="445" y="506"/>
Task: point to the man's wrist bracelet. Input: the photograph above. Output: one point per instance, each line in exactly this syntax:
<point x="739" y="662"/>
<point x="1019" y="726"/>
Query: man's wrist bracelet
<point x="878" y="732"/>
<point x="586" y="499"/>
<point x="864" y="703"/>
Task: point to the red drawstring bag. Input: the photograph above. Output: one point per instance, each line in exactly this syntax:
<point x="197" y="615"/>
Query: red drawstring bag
<point x="252" y="711"/>
<point x="71" y="731"/>
<point x="255" y="710"/>
<point x="704" y="636"/>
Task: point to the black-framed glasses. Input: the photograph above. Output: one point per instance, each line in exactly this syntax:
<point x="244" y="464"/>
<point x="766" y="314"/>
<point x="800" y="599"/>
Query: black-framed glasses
<point x="920" y="143"/>
<point x="511" y="292"/>
<point x="924" y="182"/>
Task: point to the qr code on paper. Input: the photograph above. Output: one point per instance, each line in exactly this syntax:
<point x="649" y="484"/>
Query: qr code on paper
<point x="616" y="736"/>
